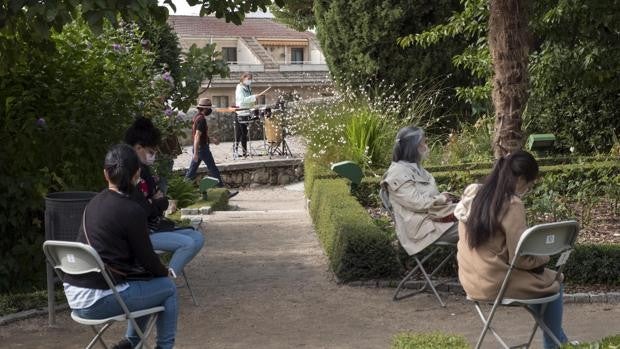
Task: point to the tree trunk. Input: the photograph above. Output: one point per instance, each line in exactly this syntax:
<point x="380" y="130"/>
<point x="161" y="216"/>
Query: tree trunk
<point x="508" y="43"/>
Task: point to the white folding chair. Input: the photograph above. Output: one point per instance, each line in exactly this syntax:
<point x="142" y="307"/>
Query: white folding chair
<point x="540" y="240"/>
<point x="185" y="278"/>
<point x="420" y="259"/>
<point x="75" y="258"/>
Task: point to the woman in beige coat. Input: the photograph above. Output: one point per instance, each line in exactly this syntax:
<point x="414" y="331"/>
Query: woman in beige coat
<point x="492" y="219"/>
<point x="422" y="214"/>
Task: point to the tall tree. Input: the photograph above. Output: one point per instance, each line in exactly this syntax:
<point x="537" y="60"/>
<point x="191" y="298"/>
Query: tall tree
<point x="508" y="44"/>
<point x="359" y="39"/>
<point x="297" y="14"/>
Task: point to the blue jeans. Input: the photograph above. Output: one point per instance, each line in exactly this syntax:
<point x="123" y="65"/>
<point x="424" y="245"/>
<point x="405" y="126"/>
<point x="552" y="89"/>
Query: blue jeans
<point x="204" y="154"/>
<point x="159" y="291"/>
<point x="553" y="319"/>
<point x="184" y="244"/>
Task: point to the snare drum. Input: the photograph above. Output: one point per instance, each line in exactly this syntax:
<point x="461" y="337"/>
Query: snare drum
<point x="273" y="130"/>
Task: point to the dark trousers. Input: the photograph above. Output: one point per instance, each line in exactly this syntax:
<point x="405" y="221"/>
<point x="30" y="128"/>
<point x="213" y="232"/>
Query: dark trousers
<point x="204" y="154"/>
<point x="241" y="134"/>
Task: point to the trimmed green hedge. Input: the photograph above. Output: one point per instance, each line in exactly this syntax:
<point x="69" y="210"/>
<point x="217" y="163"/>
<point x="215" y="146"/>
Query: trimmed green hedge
<point x="429" y="341"/>
<point x="594" y="264"/>
<point x="313" y="171"/>
<point x="357" y="248"/>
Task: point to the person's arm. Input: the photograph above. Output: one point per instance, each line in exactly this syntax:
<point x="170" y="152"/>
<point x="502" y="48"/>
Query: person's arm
<point x="409" y="196"/>
<point x="140" y="243"/>
<point x="196" y="145"/>
<point x="515" y="224"/>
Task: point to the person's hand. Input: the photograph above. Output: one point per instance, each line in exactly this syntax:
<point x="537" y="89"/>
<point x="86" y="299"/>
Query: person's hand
<point x="195" y="157"/>
<point x="158" y="195"/>
<point x="215" y="140"/>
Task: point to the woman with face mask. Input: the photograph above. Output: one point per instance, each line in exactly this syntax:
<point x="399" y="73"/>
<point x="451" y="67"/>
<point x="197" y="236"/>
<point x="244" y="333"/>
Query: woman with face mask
<point x="244" y="99"/>
<point x="183" y="243"/>
<point x="423" y="215"/>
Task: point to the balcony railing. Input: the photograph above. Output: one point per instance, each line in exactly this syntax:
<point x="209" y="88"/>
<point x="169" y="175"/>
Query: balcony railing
<point x="241" y="67"/>
<point x="303" y="66"/>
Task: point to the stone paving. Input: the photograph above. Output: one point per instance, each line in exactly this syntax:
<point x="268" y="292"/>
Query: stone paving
<point x="262" y="281"/>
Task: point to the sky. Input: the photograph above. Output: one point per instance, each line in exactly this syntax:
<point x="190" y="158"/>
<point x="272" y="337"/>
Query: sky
<point x="184" y="9"/>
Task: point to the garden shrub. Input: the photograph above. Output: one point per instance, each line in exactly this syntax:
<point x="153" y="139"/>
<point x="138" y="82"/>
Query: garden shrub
<point x="357" y="249"/>
<point x="594" y="264"/>
<point x="429" y="341"/>
<point x="184" y="192"/>
<point x="59" y="112"/>
<point x="314" y="170"/>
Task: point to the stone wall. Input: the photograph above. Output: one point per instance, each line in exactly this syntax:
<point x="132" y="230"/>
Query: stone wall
<point x="257" y="173"/>
<point x="221" y="126"/>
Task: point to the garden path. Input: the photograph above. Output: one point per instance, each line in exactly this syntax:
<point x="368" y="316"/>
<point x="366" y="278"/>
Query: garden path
<point x="262" y="281"/>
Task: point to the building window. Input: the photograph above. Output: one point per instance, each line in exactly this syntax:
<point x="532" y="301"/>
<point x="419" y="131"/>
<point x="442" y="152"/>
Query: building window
<point x="297" y="55"/>
<point x="261" y="100"/>
<point x="229" y="54"/>
<point x="220" y="101"/>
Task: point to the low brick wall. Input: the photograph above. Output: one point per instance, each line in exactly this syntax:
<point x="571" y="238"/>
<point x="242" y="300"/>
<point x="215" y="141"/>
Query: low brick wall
<point x="260" y="172"/>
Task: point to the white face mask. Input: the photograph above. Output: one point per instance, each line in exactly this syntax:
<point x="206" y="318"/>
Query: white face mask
<point x="423" y="150"/>
<point x="150" y="159"/>
<point x="247" y="82"/>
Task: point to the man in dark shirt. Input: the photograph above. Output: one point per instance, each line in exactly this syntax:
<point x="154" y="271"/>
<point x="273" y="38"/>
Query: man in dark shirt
<point x="201" y="142"/>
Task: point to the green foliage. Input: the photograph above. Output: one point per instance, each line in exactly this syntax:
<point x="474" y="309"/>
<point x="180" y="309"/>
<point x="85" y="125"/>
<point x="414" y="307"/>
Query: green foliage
<point x="183" y="191"/>
<point x="359" y="37"/>
<point x="356" y="247"/>
<point x="165" y="43"/>
<point x="362" y="127"/>
<point x="573" y="67"/>
<point x="199" y="64"/>
<point x="296" y="14"/>
<point x="12" y="303"/>
<point x="593" y="264"/>
<point x="611" y="342"/>
<point x="428" y="341"/>
<point x="59" y="112"/>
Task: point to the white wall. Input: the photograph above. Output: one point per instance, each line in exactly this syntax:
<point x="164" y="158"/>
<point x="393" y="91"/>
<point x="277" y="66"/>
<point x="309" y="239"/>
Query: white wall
<point x="245" y="56"/>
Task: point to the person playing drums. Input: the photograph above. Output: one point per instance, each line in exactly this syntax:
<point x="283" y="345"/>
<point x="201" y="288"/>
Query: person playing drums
<point x="244" y="100"/>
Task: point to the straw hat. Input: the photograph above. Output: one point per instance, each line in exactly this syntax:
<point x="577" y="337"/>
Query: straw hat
<point x="204" y="103"/>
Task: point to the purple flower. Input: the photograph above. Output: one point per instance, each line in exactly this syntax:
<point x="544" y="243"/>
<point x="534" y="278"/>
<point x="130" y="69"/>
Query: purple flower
<point x="168" y="112"/>
<point x="41" y="123"/>
<point x="166" y="76"/>
<point x="117" y="47"/>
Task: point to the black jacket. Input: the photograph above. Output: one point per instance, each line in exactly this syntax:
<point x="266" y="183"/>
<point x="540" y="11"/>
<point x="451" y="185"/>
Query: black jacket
<point x="116" y="228"/>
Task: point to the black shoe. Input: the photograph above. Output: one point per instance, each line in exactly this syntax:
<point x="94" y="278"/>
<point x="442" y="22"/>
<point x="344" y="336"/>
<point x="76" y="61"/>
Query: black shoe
<point x="123" y="344"/>
<point x="232" y="193"/>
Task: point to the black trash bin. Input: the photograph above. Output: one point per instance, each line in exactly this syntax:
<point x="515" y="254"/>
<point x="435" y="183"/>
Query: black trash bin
<point x="63" y="216"/>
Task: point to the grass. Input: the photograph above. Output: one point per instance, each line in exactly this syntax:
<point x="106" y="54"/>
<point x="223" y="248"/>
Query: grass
<point x="217" y="199"/>
<point x="429" y="341"/>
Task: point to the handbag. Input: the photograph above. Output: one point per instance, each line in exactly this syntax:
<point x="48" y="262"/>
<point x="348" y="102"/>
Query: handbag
<point x="134" y="273"/>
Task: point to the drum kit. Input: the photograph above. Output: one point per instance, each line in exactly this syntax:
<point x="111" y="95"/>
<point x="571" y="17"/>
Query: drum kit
<point x="272" y="122"/>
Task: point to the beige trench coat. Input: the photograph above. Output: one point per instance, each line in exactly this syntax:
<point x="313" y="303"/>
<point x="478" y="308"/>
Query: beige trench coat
<point x="482" y="270"/>
<point x="415" y="201"/>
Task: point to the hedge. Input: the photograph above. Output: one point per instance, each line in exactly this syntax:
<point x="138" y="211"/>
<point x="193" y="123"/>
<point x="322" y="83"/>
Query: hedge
<point x="357" y="248"/>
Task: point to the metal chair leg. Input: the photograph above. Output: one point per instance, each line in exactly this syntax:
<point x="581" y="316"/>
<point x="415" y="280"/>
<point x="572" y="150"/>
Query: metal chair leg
<point x="98" y="335"/>
<point x="191" y="292"/>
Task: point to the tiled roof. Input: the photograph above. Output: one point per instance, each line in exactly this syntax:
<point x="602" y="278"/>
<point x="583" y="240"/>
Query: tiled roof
<point x="194" y="26"/>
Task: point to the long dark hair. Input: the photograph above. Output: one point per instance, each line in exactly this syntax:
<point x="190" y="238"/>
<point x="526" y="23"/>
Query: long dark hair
<point x="406" y="144"/>
<point x="121" y="164"/>
<point x="497" y="189"/>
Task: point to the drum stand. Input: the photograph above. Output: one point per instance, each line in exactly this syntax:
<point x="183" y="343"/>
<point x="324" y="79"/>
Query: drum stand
<point x="281" y="148"/>
<point x="251" y="151"/>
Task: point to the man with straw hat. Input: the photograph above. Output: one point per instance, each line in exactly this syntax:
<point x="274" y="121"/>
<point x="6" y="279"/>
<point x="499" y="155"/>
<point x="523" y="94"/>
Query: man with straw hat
<point x="201" y="142"/>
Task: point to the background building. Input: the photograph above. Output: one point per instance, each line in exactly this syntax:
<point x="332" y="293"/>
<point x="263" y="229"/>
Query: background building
<point x="289" y="61"/>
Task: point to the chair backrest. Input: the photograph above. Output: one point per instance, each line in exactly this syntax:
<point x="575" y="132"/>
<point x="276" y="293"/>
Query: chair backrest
<point x="72" y="257"/>
<point x="547" y="239"/>
<point x="349" y="170"/>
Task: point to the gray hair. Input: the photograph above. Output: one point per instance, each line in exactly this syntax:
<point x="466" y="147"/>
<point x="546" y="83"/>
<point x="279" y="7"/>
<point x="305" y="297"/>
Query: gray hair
<point x="406" y="144"/>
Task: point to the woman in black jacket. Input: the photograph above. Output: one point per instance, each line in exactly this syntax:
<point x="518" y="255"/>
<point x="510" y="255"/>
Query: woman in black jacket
<point x="116" y="227"/>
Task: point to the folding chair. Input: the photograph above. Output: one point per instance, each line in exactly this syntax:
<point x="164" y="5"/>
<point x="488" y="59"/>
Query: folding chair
<point x="185" y="278"/>
<point x="540" y="240"/>
<point x="420" y="260"/>
<point x="75" y="258"/>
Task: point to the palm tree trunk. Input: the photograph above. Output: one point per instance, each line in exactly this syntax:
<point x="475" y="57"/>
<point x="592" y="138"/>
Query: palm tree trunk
<point x="508" y="43"/>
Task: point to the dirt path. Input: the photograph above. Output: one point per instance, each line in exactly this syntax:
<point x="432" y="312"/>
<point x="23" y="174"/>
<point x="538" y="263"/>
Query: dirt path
<point x="262" y="282"/>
